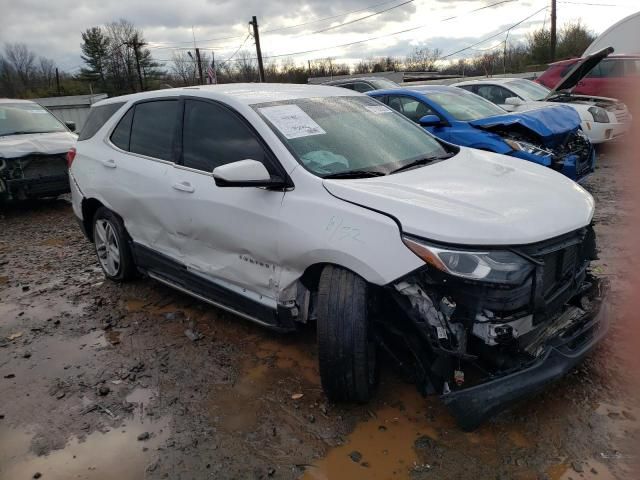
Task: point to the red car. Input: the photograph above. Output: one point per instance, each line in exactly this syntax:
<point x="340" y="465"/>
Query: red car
<point x="614" y="76"/>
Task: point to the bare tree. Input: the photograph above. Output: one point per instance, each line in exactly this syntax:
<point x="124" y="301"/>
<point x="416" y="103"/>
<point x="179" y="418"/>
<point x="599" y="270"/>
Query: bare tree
<point x="46" y="71"/>
<point x="22" y="60"/>
<point x="183" y="68"/>
<point x="422" y="59"/>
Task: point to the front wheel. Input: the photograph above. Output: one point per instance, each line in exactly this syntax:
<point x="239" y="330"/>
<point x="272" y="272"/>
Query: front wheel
<point x="112" y="248"/>
<point x="346" y="350"/>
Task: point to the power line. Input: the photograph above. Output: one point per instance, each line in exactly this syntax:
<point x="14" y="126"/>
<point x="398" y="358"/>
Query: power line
<point x="596" y="4"/>
<point x="291" y="54"/>
<point x="238" y="49"/>
<point x="279" y="29"/>
<point x="492" y="36"/>
<point x="362" y="18"/>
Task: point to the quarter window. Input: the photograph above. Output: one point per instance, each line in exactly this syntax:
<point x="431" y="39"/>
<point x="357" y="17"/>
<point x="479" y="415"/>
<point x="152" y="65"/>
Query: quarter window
<point x="153" y="129"/>
<point x="122" y="133"/>
<point x="214" y="136"/>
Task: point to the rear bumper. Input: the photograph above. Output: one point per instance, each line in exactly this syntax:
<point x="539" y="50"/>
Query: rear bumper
<point x="473" y="405"/>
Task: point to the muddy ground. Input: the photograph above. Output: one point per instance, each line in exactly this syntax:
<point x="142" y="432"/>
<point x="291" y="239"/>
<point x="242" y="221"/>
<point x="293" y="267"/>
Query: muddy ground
<point x="100" y="381"/>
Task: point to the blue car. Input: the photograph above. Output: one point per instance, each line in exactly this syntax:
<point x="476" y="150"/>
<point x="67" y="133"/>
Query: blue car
<point x="550" y="136"/>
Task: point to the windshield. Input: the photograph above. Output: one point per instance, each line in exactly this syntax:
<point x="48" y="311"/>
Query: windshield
<point x="529" y="90"/>
<point x="22" y="118"/>
<point x="464" y="106"/>
<point x="334" y="135"/>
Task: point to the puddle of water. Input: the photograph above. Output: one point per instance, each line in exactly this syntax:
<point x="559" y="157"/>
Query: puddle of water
<point x="18" y="306"/>
<point x="291" y="356"/>
<point x="386" y="443"/>
<point x="59" y="354"/>
<point x="235" y="407"/>
<point x="141" y="396"/>
<point x="115" y="454"/>
<point x="592" y="470"/>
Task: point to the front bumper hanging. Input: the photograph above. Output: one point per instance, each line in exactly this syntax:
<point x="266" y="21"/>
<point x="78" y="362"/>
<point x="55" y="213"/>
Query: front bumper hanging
<point x="471" y="406"/>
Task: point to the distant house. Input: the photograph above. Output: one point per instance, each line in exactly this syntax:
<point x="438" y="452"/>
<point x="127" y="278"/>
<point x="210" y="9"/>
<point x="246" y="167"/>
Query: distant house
<point x="74" y="108"/>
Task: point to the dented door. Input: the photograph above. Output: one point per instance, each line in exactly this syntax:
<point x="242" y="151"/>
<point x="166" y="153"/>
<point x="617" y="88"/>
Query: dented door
<point x="228" y="234"/>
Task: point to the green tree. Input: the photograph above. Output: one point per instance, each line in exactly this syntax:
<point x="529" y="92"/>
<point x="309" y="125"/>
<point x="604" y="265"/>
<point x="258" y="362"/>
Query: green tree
<point x="95" y="52"/>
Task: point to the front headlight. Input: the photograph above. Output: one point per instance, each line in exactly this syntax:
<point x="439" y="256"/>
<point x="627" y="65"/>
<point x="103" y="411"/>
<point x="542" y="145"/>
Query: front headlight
<point x="520" y="146"/>
<point x="499" y="266"/>
<point x="600" y="115"/>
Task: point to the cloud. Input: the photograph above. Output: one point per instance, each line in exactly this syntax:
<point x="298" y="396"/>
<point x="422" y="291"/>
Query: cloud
<point x="53" y="28"/>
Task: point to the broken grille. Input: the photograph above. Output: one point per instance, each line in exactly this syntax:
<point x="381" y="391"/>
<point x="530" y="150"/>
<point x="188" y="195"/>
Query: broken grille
<point x="38" y="166"/>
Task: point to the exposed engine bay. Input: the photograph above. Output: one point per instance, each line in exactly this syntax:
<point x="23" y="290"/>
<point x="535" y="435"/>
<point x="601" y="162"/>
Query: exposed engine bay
<point x="464" y="333"/>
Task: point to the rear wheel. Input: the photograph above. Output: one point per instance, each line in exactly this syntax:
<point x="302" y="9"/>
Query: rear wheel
<point x="112" y="247"/>
<point x="346" y="350"/>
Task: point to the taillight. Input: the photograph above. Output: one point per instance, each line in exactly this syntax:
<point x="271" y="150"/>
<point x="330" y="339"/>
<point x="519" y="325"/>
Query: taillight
<point x="71" y="155"/>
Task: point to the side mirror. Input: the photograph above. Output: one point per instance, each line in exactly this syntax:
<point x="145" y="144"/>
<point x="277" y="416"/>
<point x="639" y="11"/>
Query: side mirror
<point x="71" y="126"/>
<point x="515" y="101"/>
<point x="245" y="173"/>
<point x="430" y="121"/>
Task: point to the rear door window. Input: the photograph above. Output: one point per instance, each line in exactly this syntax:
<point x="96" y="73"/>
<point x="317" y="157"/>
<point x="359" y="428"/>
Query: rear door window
<point x="494" y="93"/>
<point x="153" y="129"/>
<point x="214" y="136"/>
<point x="98" y="116"/>
<point x="363" y="87"/>
<point x="410" y="107"/>
<point x="609" y="68"/>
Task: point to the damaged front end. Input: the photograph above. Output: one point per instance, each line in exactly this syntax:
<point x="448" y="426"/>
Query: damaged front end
<point x="488" y="327"/>
<point x="33" y="176"/>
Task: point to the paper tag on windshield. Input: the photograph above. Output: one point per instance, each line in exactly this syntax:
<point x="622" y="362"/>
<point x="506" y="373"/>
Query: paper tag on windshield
<point x="377" y="108"/>
<point x="292" y="121"/>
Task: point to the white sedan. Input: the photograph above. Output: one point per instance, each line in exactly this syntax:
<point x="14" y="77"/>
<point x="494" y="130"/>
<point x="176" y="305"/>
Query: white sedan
<point x="603" y="119"/>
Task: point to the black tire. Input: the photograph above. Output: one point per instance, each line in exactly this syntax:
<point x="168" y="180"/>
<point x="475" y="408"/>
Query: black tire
<point x="125" y="268"/>
<point x="346" y="352"/>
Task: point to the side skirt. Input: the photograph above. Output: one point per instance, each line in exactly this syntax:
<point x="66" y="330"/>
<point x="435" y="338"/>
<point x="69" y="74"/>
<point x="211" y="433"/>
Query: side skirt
<point x="176" y="275"/>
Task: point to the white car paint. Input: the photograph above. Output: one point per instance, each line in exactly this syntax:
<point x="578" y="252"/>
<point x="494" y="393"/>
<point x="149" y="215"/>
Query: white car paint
<point x="52" y="143"/>
<point x="464" y="200"/>
<point x="261" y="241"/>
<point x="596" y="132"/>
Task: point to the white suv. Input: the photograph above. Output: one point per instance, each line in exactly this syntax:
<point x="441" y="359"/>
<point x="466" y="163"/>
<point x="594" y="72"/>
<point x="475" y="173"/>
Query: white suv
<point x="289" y="204"/>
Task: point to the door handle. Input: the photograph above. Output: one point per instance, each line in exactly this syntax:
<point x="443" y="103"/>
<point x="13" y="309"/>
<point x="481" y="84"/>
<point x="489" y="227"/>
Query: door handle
<point x="111" y="163"/>
<point x="184" y="187"/>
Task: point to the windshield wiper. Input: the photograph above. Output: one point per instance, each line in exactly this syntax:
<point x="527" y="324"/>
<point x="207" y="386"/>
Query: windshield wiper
<point x="421" y="162"/>
<point x="355" y="174"/>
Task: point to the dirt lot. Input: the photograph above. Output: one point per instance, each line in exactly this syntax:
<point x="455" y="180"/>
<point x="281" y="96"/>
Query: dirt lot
<point x="100" y="381"/>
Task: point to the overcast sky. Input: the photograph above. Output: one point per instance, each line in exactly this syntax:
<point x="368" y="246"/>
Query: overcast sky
<point x="52" y="27"/>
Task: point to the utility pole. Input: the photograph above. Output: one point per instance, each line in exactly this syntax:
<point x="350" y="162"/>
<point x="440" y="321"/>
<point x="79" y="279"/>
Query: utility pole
<point x="135" y="44"/>
<point x="199" y="65"/>
<point x="309" y="63"/>
<point x="256" y="36"/>
<point x="57" y="81"/>
<point x="553" y="30"/>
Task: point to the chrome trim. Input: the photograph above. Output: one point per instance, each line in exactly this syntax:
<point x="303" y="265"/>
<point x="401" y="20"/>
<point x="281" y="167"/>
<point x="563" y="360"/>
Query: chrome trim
<point x="209" y="301"/>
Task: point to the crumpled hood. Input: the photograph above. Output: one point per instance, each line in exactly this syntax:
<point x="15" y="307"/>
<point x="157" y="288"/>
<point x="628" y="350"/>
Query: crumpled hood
<point x="14" y="146"/>
<point x="551" y="124"/>
<point x="475" y="198"/>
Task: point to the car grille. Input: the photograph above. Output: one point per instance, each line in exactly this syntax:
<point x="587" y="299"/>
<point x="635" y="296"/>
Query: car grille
<point x="562" y="269"/>
<point x="622" y="117"/>
<point x="33" y="167"/>
<point x="559" y="267"/>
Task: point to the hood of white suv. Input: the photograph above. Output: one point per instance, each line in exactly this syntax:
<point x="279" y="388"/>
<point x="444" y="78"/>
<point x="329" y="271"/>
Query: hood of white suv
<point x="475" y="198"/>
<point x="14" y="146"/>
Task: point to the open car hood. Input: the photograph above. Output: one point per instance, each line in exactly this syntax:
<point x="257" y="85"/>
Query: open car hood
<point x="475" y="198"/>
<point x="551" y="124"/>
<point x="580" y="70"/>
<point x="14" y="146"/>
